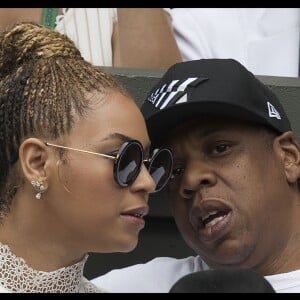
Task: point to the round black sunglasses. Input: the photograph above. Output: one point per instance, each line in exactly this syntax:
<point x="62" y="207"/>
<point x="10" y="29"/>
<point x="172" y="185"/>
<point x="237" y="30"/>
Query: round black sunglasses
<point x="128" y="162"/>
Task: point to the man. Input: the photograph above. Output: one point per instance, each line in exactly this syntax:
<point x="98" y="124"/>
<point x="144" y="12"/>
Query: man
<point x="233" y="192"/>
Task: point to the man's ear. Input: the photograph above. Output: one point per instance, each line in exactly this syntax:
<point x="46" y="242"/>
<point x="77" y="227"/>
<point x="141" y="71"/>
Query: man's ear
<point x="290" y="152"/>
<point x="33" y="156"/>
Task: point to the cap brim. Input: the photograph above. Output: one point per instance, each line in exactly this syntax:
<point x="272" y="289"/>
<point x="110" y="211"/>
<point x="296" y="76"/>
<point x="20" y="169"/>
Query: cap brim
<point x="162" y="122"/>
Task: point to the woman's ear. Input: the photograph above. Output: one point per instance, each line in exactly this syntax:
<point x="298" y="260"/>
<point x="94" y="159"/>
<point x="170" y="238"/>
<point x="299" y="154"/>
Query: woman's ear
<point x="33" y="156"/>
<point x="290" y="152"/>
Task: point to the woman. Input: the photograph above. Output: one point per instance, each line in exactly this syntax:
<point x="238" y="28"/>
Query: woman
<point x="73" y="178"/>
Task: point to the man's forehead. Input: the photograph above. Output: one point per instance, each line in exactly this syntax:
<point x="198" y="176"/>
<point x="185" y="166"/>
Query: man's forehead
<point x="205" y="126"/>
<point x="208" y="123"/>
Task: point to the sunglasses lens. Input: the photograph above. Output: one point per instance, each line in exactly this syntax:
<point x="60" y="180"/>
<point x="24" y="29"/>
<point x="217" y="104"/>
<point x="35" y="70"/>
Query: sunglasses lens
<point x="160" y="167"/>
<point x="129" y="163"/>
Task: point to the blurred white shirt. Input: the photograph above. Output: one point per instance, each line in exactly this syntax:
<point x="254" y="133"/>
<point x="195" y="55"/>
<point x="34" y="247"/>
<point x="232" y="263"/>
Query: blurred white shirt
<point x="264" y="40"/>
<point x="91" y="30"/>
<point x="160" y="274"/>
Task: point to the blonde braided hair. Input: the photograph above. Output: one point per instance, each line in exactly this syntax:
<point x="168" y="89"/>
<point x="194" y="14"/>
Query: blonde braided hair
<point x="43" y="81"/>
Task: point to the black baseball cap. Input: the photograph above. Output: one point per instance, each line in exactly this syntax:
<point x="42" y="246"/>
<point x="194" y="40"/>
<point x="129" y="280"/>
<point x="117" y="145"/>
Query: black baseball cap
<point x="210" y="87"/>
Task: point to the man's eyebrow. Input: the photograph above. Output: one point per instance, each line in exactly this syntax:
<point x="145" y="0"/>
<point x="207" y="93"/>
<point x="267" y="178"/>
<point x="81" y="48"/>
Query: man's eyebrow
<point x="208" y="131"/>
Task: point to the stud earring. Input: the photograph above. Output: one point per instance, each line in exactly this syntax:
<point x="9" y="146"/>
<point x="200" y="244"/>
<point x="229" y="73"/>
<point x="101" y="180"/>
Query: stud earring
<point x="39" y="187"/>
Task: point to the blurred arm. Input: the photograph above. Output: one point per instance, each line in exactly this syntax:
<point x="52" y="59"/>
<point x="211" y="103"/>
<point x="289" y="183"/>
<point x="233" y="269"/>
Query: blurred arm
<point x="144" y="39"/>
<point x="12" y="15"/>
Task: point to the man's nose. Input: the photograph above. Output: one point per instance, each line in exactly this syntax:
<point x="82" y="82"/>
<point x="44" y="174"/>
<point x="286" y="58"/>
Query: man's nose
<point x="196" y="176"/>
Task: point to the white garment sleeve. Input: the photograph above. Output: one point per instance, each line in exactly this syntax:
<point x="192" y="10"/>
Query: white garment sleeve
<point x="91" y="30"/>
<point x="168" y="10"/>
<point x="156" y="276"/>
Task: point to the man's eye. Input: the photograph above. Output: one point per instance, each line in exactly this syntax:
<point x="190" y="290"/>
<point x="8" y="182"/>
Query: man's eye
<point x="177" y="172"/>
<point x="220" y="148"/>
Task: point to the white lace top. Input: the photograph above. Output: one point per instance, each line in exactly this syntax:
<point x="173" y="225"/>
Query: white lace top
<point x="17" y="276"/>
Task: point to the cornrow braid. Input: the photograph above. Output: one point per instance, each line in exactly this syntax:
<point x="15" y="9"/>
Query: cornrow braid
<point x="43" y="81"/>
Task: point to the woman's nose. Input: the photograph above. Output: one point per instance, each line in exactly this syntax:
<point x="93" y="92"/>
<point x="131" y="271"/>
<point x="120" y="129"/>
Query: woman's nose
<point x="144" y="181"/>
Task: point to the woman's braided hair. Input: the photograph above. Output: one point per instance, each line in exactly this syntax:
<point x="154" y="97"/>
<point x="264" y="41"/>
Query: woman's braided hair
<point x="43" y="81"/>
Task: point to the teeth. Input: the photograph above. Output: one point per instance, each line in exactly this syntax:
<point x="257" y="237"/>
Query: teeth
<point x="138" y="215"/>
<point x="213" y="222"/>
<point x="208" y="215"/>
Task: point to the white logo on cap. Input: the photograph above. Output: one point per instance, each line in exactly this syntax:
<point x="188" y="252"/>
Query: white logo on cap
<point x="176" y="88"/>
<point x="273" y="113"/>
<point x="182" y="99"/>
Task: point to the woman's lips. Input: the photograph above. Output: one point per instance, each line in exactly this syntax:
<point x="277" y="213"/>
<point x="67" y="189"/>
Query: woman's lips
<point x="136" y="221"/>
<point x="135" y="216"/>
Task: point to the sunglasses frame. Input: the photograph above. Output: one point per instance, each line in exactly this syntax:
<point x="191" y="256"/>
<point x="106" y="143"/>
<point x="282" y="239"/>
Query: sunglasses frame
<point x="117" y="158"/>
<point x="121" y="153"/>
<point x="155" y="153"/>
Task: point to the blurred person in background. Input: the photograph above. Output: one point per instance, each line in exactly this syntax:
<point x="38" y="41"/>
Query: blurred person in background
<point x="119" y="37"/>
<point x="264" y="40"/>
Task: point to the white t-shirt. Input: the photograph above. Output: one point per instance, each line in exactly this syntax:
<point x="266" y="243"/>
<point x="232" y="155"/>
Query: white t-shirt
<point x="91" y="30"/>
<point x="264" y="40"/>
<point x="159" y="275"/>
